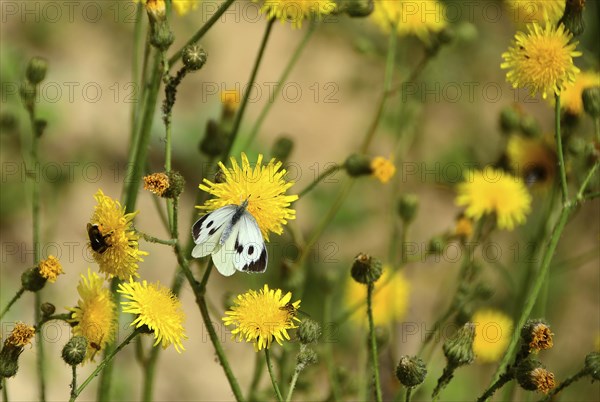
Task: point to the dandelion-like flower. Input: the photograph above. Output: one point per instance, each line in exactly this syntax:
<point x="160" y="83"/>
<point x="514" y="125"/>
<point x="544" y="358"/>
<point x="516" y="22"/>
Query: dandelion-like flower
<point x="570" y="98"/>
<point x="263" y="186"/>
<point x="181" y="6"/>
<point x="390" y="298"/>
<point x="296" y="11"/>
<point x="383" y="169"/>
<point x="420" y="18"/>
<point x="94" y="315"/>
<point x="536" y="10"/>
<point x="122" y="255"/>
<point x="492" y="191"/>
<point x="20" y="336"/>
<point x="534" y="160"/>
<point x="50" y="268"/>
<point x="156" y="308"/>
<point x="541" y="60"/>
<point x="157" y="183"/>
<point x="493" y="330"/>
<point x="260" y="317"/>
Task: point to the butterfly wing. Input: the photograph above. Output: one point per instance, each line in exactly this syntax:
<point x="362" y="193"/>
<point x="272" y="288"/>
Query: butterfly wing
<point x="208" y="229"/>
<point x="224" y="254"/>
<point x="250" y="250"/>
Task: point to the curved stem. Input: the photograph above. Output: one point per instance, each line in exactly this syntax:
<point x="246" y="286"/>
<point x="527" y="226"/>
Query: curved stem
<point x="504" y="378"/>
<point x="559" y="151"/>
<point x="408" y="394"/>
<point x="12" y="301"/>
<point x="74" y="381"/>
<point x="326" y="173"/>
<point x="374" y="354"/>
<point x="566" y="383"/>
<point x="272" y="375"/>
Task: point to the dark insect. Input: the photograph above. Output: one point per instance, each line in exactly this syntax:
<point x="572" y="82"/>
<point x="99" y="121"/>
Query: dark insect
<point x="290" y="310"/>
<point x="97" y="239"/>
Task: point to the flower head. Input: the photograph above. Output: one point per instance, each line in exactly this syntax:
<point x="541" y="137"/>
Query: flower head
<point x="532" y="159"/>
<point x="570" y="99"/>
<point x="296" y="11"/>
<point x="94" y="315"/>
<point x="262" y="316"/>
<point x="390" y="298"/>
<point x="383" y="169"/>
<point x="263" y="187"/>
<point x="121" y="256"/>
<point x="493" y="331"/>
<point x="536" y="10"/>
<point x="230" y="99"/>
<point x="420" y="18"/>
<point x="181" y="6"/>
<point x="157" y="183"/>
<point x="50" y="268"/>
<point x="20" y="336"/>
<point x="493" y="191"/>
<point x="158" y="309"/>
<point x="541" y="60"/>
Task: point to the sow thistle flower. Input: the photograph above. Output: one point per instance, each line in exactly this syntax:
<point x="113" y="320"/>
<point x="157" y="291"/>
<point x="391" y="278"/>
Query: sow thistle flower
<point x="260" y="317"/>
<point x="50" y="268"/>
<point x="156" y="308"/>
<point x="263" y="186"/>
<point x="493" y="330"/>
<point x="94" y="315"/>
<point x="121" y="256"/>
<point x="383" y="169"/>
<point x="420" y="18"/>
<point x="492" y="191"/>
<point x="181" y="6"/>
<point x="296" y="11"/>
<point x="541" y="60"/>
<point x="536" y="10"/>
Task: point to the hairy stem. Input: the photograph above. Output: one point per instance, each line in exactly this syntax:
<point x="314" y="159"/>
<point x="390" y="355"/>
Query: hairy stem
<point x="12" y="301"/>
<point x="272" y="375"/>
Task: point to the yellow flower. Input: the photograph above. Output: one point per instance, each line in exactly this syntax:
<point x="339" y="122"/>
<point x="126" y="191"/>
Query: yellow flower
<point x="296" y="11"/>
<point x="570" y="98"/>
<point x="494" y="191"/>
<point x="541" y="60"/>
<point x="536" y="10"/>
<point x="390" y="299"/>
<point x="20" y="336"/>
<point x="263" y="186"/>
<point x="181" y="6"/>
<point x="122" y="255"/>
<point x="383" y="169"/>
<point x="230" y="99"/>
<point x="493" y="330"/>
<point x="410" y="17"/>
<point x="533" y="160"/>
<point x="50" y="268"/>
<point x="157" y="183"/>
<point x="463" y="227"/>
<point x="262" y="316"/>
<point x="95" y="313"/>
<point x="158" y="309"/>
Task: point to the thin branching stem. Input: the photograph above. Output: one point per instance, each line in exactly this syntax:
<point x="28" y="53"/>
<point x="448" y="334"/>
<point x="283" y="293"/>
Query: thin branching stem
<point x="373" y="342"/>
<point x="12" y="301"/>
<point x="272" y="375"/>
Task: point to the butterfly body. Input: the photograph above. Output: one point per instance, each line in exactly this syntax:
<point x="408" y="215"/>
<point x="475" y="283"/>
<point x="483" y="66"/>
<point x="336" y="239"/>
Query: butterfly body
<point x="232" y="236"/>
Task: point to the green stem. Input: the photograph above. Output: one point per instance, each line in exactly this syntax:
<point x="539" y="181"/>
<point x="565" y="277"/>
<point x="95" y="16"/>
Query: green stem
<point x="408" y="394"/>
<point x="288" y="398"/>
<point x="74" y="382"/>
<point x="135" y="67"/>
<point x="559" y="151"/>
<point x="149" y="373"/>
<point x="500" y="382"/>
<point x="272" y="375"/>
<point x="203" y="30"/>
<point x="103" y="363"/>
<point x="329" y="357"/>
<point x="326" y="173"/>
<point x="258" y="370"/>
<point x="586" y="181"/>
<point x="4" y="390"/>
<point x="105" y="381"/>
<point x="374" y="354"/>
<point x="12" y="301"/>
<point x="244" y="102"/>
<point x="152" y="239"/>
<point x="282" y="80"/>
<point x="39" y="342"/>
<point x="566" y="383"/>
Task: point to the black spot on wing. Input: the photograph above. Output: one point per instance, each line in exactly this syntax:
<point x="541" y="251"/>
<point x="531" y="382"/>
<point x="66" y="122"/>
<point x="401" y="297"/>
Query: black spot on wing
<point x="259" y="265"/>
<point x="213" y="230"/>
<point x="250" y="250"/>
<point x="209" y="224"/>
<point x="197" y="226"/>
<point x="238" y="247"/>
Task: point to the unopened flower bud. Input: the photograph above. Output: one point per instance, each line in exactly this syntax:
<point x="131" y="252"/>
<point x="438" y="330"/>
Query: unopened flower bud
<point x="194" y="57"/>
<point x="32" y="280"/>
<point x="466" y="32"/>
<point x="411" y="371"/>
<point x="459" y="349"/>
<point x="572" y="19"/>
<point x="75" y="350"/>
<point x="536" y="335"/>
<point x="366" y="269"/>
<point x="282" y="148"/>
<point x="532" y="376"/>
<point x="176" y="185"/>
<point x="309" y="331"/>
<point x="358" y="165"/>
<point x="407" y="207"/>
<point x="47" y="309"/>
<point x="305" y="358"/>
<point x="357" y="8"/>
<point x="530" y="126"/>
<point x="591" y="101"/>
<point x="592" y="365"/>
<point x="214" y="141"/>
<point x="510" y="120"/>
<point x="9" y="361"/>
<point x="437" y="244"/>
<point x="36" y="70"/>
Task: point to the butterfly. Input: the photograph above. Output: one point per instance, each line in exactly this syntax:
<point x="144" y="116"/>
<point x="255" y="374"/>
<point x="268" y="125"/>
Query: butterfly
<point x="232" y="236"/>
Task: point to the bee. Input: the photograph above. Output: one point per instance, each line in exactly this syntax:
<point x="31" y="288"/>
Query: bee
<point x="97" y="239"/>
<point x="290" y="309"/>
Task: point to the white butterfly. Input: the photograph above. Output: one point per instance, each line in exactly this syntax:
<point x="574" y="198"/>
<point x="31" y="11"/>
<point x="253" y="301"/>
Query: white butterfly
<point x="233" y="237"/>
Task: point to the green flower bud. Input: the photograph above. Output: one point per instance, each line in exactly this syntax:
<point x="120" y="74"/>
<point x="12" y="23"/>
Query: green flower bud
<point x="357" y="8"/>
<point x="459" y="349"/>
<point x="309" y="331"/>
<point x="282" y="148"/>
<point x="407" y="207"/>
<point x="47" y="309"/>
<point x="9" y="360"/>
<point x="358" y="165"/>
<point x="366" y="269"/>
<point x="530" y="126"/>
<point x="532" y="376"/>
<point x="176" y="185"/>
<point x="536" y="335"/>
<point x="305" y="358"/>
<point x="592" y="365"/>
<point x="411" y="371"/>
<point x="467" y="32"/>
<point x="36" y="70"/>
<point x="437" y="244"/>
<point x="572" y="19"/>
<point x="510" y="119"/>
<point x="32" y="280"/>
<point x="161" y="36"/>
<point x="194" y="57"/>
<point x="214" y="141"/>
<point x="8" y="121"/>
<point x="74" y="351"/>
<point x="591" y="101"/>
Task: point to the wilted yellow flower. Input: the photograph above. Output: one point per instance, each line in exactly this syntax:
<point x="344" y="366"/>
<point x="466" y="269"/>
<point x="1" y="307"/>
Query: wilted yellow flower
<point x="526" y="11"/>
<point x="95" y="314"/>
<point x="260" y="317"/>
<point x="492" y="191"/>
<point x="390" y="298"/>
<point x="263" y="186"/>
<point x="541" y="60"/>
<point x="532" y="159"/>
<point x="296" y="11"/>
<point x="383" y="169"/>
<point x="410" y="17"/>
<point x="121" y="256"/>
<point x="570" y="98"/>
<point x="493" y="330"/>
<point x="158" y="309"/>
<point x="50" y="268"/>
<point x="21" y="335"/>
<point x="230" y="99"/>
<point x="156" y="183"/>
